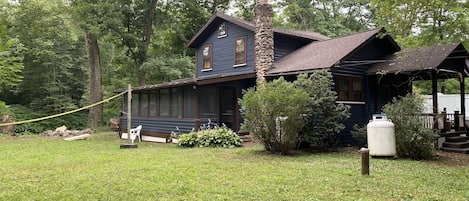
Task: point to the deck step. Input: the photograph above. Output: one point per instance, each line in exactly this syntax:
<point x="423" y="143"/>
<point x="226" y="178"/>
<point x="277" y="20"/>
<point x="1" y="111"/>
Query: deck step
<point x="246" y="138"/>
<point x="457" y="139"/>
<point x="452" y="133"/>
<point x="456" y="150"/>
<point x="464" y="144"/>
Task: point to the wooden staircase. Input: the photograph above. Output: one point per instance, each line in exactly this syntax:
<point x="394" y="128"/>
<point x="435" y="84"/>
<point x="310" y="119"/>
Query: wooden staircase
<point x="455" y="141"/>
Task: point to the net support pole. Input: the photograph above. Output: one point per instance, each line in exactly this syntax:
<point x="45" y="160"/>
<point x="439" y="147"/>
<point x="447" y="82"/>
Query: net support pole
<point x="129" y="112"/>
<point x="129" y="143"/>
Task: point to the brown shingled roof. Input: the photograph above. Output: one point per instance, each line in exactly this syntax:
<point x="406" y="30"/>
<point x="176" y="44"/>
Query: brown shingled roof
<point x="321" y="54"/>
<point x="250" y="26"/>
<point x="410" y="60"/>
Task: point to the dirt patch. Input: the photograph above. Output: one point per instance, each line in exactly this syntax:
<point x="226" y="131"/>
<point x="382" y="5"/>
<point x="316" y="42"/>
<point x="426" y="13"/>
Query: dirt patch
<point x="452" y="159"/>
<point x="442" y="158"/>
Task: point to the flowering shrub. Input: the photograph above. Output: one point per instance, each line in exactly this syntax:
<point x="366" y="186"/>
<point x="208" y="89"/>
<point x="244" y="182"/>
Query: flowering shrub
<point x="215" y="137"/>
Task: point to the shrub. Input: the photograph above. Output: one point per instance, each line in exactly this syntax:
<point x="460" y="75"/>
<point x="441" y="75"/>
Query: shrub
<point x="323" y="120"/>
<point x="360" y="135"/>
<point x="72" y="121"/>
<point x="188" y="140"/>
<point x="413" y="140"/>
<point x="261" y="105"/>
<point x="216" y="137"/>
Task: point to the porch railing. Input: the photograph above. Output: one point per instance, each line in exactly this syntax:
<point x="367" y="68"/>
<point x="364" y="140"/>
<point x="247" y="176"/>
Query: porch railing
<point x="443" y="121"/>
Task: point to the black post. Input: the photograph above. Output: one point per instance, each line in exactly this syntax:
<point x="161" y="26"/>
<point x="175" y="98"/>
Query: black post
<point x="463" y="99"/>
<point x="435" y="92"/>
<point x="365" y="162"/>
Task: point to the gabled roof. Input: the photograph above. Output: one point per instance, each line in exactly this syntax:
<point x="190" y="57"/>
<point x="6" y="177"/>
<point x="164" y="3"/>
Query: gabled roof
<point x="426" y="58"/>
<point x="218" y="18"/>
<point x="324" y="54"/>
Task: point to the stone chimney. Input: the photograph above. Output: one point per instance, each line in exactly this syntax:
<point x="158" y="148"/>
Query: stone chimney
<point x="264" y="39"/>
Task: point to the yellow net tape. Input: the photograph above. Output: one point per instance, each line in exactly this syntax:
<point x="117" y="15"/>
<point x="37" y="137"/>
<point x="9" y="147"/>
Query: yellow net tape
<point x="62" y="114"/>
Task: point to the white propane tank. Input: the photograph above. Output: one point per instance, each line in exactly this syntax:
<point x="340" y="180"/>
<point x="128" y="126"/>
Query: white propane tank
<point x="380" y="136"/>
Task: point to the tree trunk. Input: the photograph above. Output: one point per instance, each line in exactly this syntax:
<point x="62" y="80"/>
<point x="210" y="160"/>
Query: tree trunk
<point x="147" y="33"/>
<point x="95" y="116"/>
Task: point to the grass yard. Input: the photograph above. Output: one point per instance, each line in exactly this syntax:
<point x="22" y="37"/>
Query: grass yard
<point x="40" y="168"/>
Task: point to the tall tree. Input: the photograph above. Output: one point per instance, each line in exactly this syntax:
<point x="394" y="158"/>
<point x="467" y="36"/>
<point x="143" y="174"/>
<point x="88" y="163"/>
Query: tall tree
<point x="95" y="117"/>
<point x="245" y="9"/>
<point x="329" y="17"/>
<point x="53" y="77"/>
<point x="417" y="23"/>
<point x="11" y="57"/>
<point x="93" y="17"/>
<point x="136" y="30"/>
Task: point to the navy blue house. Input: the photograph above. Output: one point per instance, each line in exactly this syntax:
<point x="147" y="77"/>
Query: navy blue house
<point x="225" y="66"/>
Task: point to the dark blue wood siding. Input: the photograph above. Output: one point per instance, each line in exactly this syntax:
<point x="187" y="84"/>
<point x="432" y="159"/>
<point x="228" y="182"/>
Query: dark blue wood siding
<point x="284" y="46"/>
<point x="360" y="112"/>
<point x="356" y="65"/>
<point x="223" y="52"/>
<point x="359" y="116"/>
<point x="160" y="125"/>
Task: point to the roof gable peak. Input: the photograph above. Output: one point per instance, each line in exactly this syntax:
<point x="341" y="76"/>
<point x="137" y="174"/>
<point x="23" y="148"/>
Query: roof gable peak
<point x="218" y="17"/>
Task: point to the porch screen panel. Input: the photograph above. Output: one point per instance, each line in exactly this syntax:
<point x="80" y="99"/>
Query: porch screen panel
<point x="153" y="104"/>
<point x="176" y="103"/>
<point x="189" y="102"/>
<point x="124" y="103"/>
<point x="143" y="104"/>
<point x="208" y="102"/>
<point x="135" y="104"/>
<point x="164" y="103"/>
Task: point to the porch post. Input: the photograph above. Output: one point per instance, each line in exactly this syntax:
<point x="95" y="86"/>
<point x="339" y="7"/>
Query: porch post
<point x="463" y="98"/>
<point x="435" y="92"/>
<point x="197" y="107"/>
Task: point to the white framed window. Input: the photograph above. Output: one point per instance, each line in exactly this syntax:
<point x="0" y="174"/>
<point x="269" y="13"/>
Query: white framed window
<point x="240" y="51"/>
<point x="207" y="57"/>
<point x="222" y="30"/>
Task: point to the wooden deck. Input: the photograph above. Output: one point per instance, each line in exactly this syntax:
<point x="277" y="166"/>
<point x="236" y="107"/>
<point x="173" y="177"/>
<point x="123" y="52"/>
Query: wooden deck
<point x="452" y="132"/>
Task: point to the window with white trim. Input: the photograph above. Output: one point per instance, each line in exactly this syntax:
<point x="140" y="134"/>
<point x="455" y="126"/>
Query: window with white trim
<point x="207" y="57"/>
<point x="240" y="51"/>
<point x="222" y="30"/>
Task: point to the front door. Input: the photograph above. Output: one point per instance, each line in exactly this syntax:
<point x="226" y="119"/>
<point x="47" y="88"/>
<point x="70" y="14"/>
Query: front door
<point x="228" y="107"/>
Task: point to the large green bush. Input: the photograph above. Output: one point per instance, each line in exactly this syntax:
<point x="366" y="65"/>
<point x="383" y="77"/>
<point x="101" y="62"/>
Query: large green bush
<point x="323" y="120"/>
<point x="261" y="105"/>
<point x="413" y="140"/>
<point x="214" y="137"/>
<point x="75" y="121"/>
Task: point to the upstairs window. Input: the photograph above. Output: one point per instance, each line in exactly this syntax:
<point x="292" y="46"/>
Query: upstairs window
<point x="207" y="57"/>
<point x="240" y="51"/>
<point x="222" y="32"/>
<point x="350" y="89"/>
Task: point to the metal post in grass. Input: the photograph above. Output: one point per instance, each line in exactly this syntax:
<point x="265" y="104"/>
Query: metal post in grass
<point x="365" y="161"/>
<point x="129" y="143"/>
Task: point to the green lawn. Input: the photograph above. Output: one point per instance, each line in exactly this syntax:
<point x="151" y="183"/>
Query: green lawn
<point x="39" y="168"/>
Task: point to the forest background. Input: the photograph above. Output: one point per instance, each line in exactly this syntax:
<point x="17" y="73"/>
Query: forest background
<point x="59" y="55"/>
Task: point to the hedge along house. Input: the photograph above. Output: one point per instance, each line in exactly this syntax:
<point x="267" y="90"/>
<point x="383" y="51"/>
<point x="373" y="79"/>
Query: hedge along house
<point x="225" y="65"/>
